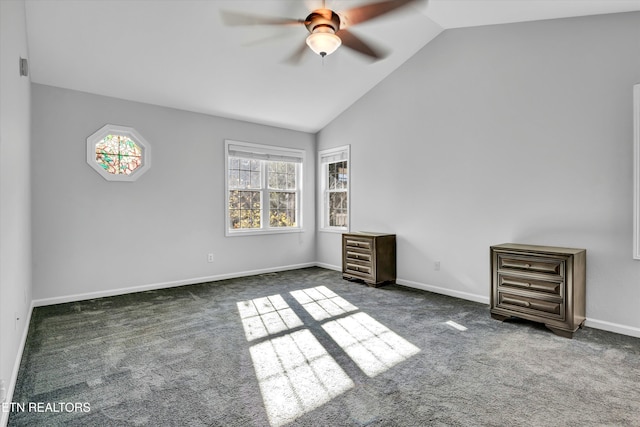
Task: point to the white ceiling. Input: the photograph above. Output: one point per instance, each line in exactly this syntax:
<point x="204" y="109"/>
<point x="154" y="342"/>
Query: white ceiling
<point x="178" y="53"/>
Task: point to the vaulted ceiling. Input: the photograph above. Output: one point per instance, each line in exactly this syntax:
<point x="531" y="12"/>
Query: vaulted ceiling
<point x="180" y="53"/>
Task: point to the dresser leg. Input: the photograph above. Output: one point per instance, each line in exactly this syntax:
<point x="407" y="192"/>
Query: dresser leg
<point x="560" y="332"/>
<point x="500" y="317"/>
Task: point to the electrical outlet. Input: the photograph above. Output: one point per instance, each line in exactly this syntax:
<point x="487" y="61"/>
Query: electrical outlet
<point x="210" y="257"/>
<point x="436" y="266"/>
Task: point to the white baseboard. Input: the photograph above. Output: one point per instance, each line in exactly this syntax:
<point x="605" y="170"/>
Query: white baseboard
<point x="424" y="287"/>
<point x="328" y="266"/>
<point x="4" y="416"/>
<point x="444" y="291"/>
<point x="164" y="285"/>
<point x="613" y="327"/>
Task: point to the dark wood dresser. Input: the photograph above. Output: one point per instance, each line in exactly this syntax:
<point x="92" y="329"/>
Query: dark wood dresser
<point x="540" y="283"/>
<point x="370" y="257"/>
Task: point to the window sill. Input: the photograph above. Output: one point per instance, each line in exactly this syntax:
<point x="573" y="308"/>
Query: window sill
<point x="334" y="230"/>
<point x="241" y="233"/>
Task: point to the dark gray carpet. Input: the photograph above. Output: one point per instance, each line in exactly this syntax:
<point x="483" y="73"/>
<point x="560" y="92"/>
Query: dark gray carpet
<point x="338" y="354"/>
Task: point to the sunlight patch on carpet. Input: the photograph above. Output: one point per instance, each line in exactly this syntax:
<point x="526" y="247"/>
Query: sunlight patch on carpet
<point x="295" y="372"/>
<point x="456" y="325"/>
<point x="322" y="303"/>
<point x="266" y="316"/>
<point x="296" y="375"/>
<point x="370" y="344"/>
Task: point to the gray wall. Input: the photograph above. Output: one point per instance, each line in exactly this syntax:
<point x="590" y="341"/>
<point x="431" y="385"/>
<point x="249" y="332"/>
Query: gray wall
<point x="15" y="201"/>
<point x="93" y="237"/>
<point x="506" y="133"/>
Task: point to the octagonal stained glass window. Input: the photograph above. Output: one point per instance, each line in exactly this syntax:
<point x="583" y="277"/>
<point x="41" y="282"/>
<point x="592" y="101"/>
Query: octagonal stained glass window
<point x="118" y="153"/>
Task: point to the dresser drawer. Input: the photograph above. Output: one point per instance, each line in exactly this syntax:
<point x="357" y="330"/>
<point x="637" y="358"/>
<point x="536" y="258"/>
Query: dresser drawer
<point x="531" y="264"/>
<point x="532" y="306"/>
<point x="352" y="243"/>
<point x="358" y="269"/>
<point x="543" y="287"/>
<point x="358" y="257"/>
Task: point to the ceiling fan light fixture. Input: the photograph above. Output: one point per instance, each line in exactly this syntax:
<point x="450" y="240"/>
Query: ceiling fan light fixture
<point x="323" y="43"/>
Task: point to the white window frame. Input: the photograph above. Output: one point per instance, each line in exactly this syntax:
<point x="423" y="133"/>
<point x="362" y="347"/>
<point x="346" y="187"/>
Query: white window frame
<point x="636" y="171"/>
<point x="266" y="153"/>
<point x="326" y="157"/>
<point x="110" y="129"/>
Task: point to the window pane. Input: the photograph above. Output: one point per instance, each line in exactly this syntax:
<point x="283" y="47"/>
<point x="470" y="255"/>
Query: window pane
<point x="342" y="174"/>
<point x="234" y="178"/>
<point x="282" y="209"/>
<point x="291" y="181"/>
<point x="337" y="175"/>
<point x="282" y="175"/>
<point x="129" y="163"/>
<point x="128" y="147"/>
<point x="338" y="212"/>
<point x="255" y="179"/>
<point x="244" y="174"/>
<point x="109" y="144"/>
<point x="108" y="162"/>
<point x="245" y="179"/>
<point x="244" y="209"/>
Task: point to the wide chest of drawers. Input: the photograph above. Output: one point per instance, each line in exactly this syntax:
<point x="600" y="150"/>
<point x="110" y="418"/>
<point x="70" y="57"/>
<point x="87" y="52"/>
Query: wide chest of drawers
<point x="370" y="257"/>
<point x="540" y="283"/>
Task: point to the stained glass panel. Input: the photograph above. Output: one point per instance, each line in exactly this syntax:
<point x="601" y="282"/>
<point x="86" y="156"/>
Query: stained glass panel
<point x="118" y="154"/>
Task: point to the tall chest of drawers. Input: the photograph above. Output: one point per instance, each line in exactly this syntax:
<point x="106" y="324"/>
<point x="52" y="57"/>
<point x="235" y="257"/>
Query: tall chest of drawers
<point x="370" y="257"/>
<point x="540" y="283"/>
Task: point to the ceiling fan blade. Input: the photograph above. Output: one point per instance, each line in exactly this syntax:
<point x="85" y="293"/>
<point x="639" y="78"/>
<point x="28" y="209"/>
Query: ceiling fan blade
<point x="367" y="12"/>
<point x="297" y="56"/>
<point x="351" y="41"/>
<point x="237" y="18"/>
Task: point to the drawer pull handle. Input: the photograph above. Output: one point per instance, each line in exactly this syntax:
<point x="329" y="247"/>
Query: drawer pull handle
<point x="517" y="302"/>
<point x="516" y="283"/>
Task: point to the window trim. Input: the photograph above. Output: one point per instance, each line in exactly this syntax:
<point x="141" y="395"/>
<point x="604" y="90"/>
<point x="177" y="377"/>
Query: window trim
<point x="250" y="150"/>
<point x="636" y="171"/>
<point x="110" y="129"/>
<point x="324" y="159"/>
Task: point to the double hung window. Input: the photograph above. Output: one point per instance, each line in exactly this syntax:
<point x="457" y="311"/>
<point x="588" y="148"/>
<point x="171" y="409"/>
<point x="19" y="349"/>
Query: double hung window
<point x="264" y="188"/>
<point x="334" y="181"/>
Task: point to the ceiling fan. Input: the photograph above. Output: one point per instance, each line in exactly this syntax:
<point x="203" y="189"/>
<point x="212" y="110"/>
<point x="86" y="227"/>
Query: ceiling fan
<point x="327" y="28"/>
